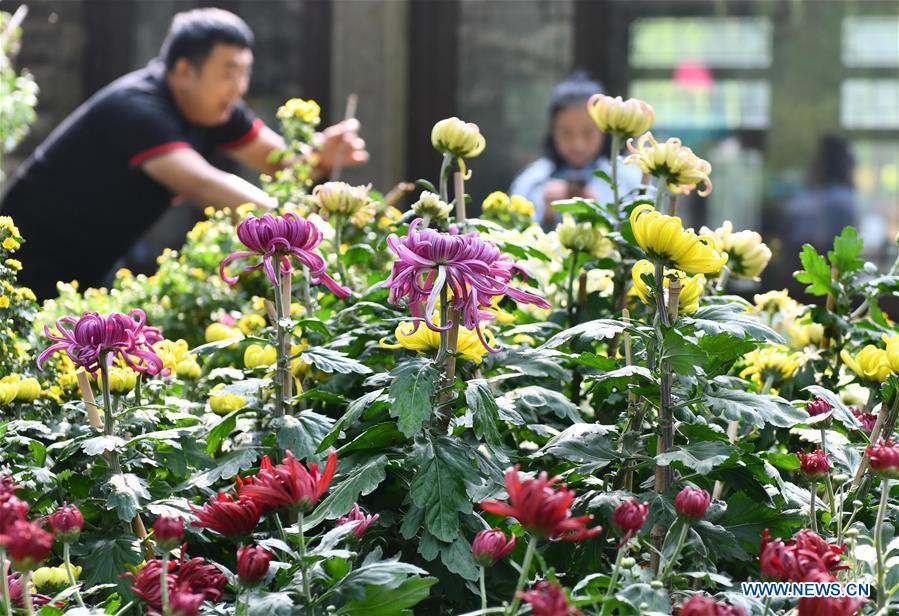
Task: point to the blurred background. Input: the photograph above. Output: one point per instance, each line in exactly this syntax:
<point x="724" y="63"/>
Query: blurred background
<point x="794" y="102"/>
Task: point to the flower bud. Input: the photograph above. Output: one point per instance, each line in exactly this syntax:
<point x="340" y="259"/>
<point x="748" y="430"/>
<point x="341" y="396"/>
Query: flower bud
<point x="252" y="563"/>
<point x="341" y="198"/>
<point x="692" y="502"/>
<point x="216" y="332"/>
<point x="818" y="406"/>
<point x="250" y="323"/>
<point x="583" y="237"/>
<point x="8" y="393"/>
<point x="871" y="364"/>
<point x="630" y="516"/>
<point x="183" y="602"/>
<point x="490" y="546"/>
<point x="12" y="509"/>
<point x="457" y="138"/>
<point x="255" y="356"/>
<point x="430" y="205"/>
<point x="619" y="117"/>
<point x="357" y="515"/>
<point x="27" y="544"/>
<point x="28" y="390"/>
<point x="657" y="584"/>
<point x="813" y="465"/>
<point x="884" y="458"/>
<point x="168" y="532"/>
<point x="628" y="562"/>
<point x="54" y="577"/>
<point x="67" y="523"/>
<point x="121" y="380"/>
<point x="225" y="403"/>
<point x="188" y="369"/>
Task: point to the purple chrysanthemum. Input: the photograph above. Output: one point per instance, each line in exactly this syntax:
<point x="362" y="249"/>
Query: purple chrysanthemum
<point x="472" y="269"/>
<point x="278" y="238"/>
<point x="93" y="338"/>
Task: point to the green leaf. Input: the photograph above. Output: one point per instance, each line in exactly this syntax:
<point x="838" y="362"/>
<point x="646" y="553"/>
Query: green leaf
<point x="269" y="603"/>
<point x="438" y="487"/>
<point x="221" y="430"/>
<point x="226" y="467"/>
<point x="99" y="445"/>
<point x="484" y="410"/>
<point x="756" y="409"/>
<point x="353" y="412"/>
<point x="210" y="347"/>
<point x="587" y="445"/>
<point x="358" y="253"/>
<point x="377" y="438"/>
<point x="846" y="248"/>
<point x="426" y="185"/>
<point x="302" y="433"/>
<point x="457" y="557"/>
<point x="840" y="412"/>
<point x="541" y="401"/>
<point x="387" y="574"/>
<point x="816" y="273"/>
<point x="380" y="601"/>
<point x="411" y="394"/>
<point x="702" y="456"/>
<point x="330" y="360"/>
<point x="361" y="481"/>
<point x="746" y="518"/>
<point x="591" y="330"/>
<point x="731" y="319"/>
<point x="245" y="388"/>
<point x="725" y="546"/>
<point x="125" y="492"/>
<point x="603" y="176"/>
<point x="532" y="362"/>
<point x="683" y="354"/>
<point x="785" y="461"/>
<point x="104" y="561"/>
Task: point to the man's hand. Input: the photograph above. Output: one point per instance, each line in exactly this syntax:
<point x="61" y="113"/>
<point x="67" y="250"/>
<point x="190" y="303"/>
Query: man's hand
<point x="342" y="143"/>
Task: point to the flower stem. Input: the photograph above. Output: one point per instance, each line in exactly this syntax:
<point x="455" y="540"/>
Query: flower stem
<point x="164" y="582"/>
<point x="282" y="343"/>
<point x="26" y="593"/>
<point x="616" y="570"/>
<point x="109" y="420"/>
<point x="338" y="241"/>
<point x="572" y="272"/>
<point x="616" y="149"/>
<point x="444" y="176"/>
<point x="813" y="518"/>
<point x="878" y="543"/>
<point x="307" y="593"/>
<point x="67" y="560"/>
<point x="767" y="607"/>
<point x="681" y="539"/>
<point x="4" y="584"/>
<point x="483" y="591"/>
<point x="137" y="392"/>
<point x="523" y="577"/>
<point x="831" y="501"/>
<point x="723" y="277"/>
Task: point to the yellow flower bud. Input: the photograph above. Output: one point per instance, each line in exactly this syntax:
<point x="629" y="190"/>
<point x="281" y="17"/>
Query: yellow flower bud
<point x="28" y="390"/>
<point x="664" y="237"/>
<point x="671" y="161"/>
<point x="8" y="393"/>
<point x="188" y="369"/>
<point x="4" y="301"/>
<point x="429" y="205"/>
<point x="583" y="237"/>
<point x="892" y="352"/>
<point x="14" y="264"/>
<point x="307" y="111"/>
<point x="691" y="286"/>
<point x="457" y="138"/>
<point x="11" y="244"/>
<point x="341" y="198"/>
<point x="251" y="323"/>
<point x="776" y="301"/>
<point x="870" y="364"/>
<point x="225" y="403"/>
<point x="216" y="332"/>
<point x="54" y="577"/>
<point x="121" y="379"/>
<point x="618" y="117"/>
<point x="256" y="356"/>
<point x="747" y="254"/>
<point x="425" y="340"/>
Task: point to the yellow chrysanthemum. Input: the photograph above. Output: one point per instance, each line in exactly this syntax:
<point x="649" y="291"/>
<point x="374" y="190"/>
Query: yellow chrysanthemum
<point x="250" y="323"/>
<point x="121" y="379"/>
<point x="14" y="264"/>
<point x="256" y="356"/>
<point x="691" y="286"/>
<point x="671" y="161"/>
<point x="8" y="393"/>
<point x="171" y="352"/>
<point x="28" y="390"/>
<point x="619" y="117"/>
<point x="892" y="352"/>
<point x="457" y="138"/>
<point x="341" y="198"/>
<point x="4" y="301"/>
<point x="225" y="403"/>
<point x="664" y="237"/>
<point x="584" y="237"/>
<point x="774" y="361"/>
<point x="870" y="364"/>
<point x="54" y="576"/>
<point x="7" y="223"/>
<point x="776" y="301"/>
<point x="216" y="332"/>
<point x="801" y="334"/>
<point x="425" y="340"/>
<point x="747" y="255"/>
<point x="188" y="369"/>
<point x="307" y="111"/>
<point x="11" y="244"/>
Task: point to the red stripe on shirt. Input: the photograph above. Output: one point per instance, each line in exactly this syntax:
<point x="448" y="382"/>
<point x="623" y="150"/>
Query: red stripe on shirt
<point x="254" y="130"/>
<point x="162" y="148"/>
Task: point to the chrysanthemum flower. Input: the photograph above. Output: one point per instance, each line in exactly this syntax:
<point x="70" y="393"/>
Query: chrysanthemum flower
<point x="871" y="364"/>
<point x="671" y="161"/>
<point x="619" y="117"/>
<point x="227" y="516"/>
<point x="457" y="138"/>
<point x="277" y="239"/>
<point x="774" y="360"/>
<point x="584" y="237"/>
<point x="290" y="484"/>
<point x="690" y="292"/>
<point x="471" y="269"/>
<point x="664" y="237"/>
<point x="747" y="255"/>
<point x="548" y="599"/>
<point x="94" y="338"/>
<point x="424" y="339"/>
<point x="541" y="508"/>
<point x="341" y="198"/>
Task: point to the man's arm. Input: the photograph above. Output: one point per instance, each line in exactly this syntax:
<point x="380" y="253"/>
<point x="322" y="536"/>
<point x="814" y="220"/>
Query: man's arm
<point x="186" y="173"/>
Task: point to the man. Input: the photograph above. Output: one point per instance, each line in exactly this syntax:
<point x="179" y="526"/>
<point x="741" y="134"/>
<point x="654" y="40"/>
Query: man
<point x="114" y="166"/>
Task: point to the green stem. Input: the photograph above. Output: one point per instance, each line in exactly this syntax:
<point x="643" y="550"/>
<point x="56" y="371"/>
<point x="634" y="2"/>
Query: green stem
<point x="281" y="532"/>
<point x="661" y="189"/>
<point x="572" y="272"/>
<point x="164" y="582"/>
<point x="26" y="593"/>
<point x="4" y="584"/>
<point x="523" y="577"/>
<point x="137" y="392"/>
<point x="444" y="334"/>
<point x="306" y="293"/>
<point x="813" y="518"/>
<point x="283" y="359"/>
<point x="723" y="277"/>
<point x="615" y="573"/>
<point x="483" y="591"/>
<point x="616" y="149"/>
<point x="878" y="543"/>
<point x="767" y="607"/>
<point x="109" y="420"/>
<point x="444" y="176"/>
<point x="67" y="560"/>
<point x="681" y="539"/>
<point x="831" y="501"/>
<point x="307" y="593"/>
<point x="338" y="241"/>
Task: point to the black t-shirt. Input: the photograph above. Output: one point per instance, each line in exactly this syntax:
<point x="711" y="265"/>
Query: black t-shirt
<point x="82" y="198"/>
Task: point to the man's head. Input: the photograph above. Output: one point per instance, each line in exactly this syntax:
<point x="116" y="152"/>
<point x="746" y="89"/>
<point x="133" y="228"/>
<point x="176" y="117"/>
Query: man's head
<point x="208" y="58"/>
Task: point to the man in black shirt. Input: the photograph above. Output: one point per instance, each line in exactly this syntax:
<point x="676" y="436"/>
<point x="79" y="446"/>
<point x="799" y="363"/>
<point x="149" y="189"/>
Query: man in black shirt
<point x="114" y="166"/>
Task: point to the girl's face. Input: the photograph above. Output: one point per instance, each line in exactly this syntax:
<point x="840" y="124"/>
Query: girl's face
<point x="576" y="137"/>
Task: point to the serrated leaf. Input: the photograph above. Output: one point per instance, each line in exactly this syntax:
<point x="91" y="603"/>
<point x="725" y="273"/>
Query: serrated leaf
<point x="226" y="467"/>
<point x="125" y="492"/>
<point x="682" y="354"/>
<point x="702" y="456"/>
<point x="221" y="430"/>
<point x="816" y="274"/>
<point x="591" y="330"/>
<point x="457" y="557"/>
<point x="846" y="248"/>
<point x="485" y="412"/>
<point x="330" y="360"/>
<point x="380" y="601"/>
<point x="377" y="438"/>
<point x="104" y="561"/>
<point x="387" y="574"/>
<point x="245" y="388"/>
<point x="731" y="319"/>
<point x="756" y="409"/>
<point x="302" y="433"/>
<point x="341" y="497"/>
<point x="586" y="445"/>
<point x="539" y="401"/>
<point x="269" y="603"/>
<point x="438" y="487"/>
<point x="532" y="362"/>
<point x="99" y="445"/>
<point x="746" y="518"/>
<point x="411" y="393"/>
<point x="353" y="412"/>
